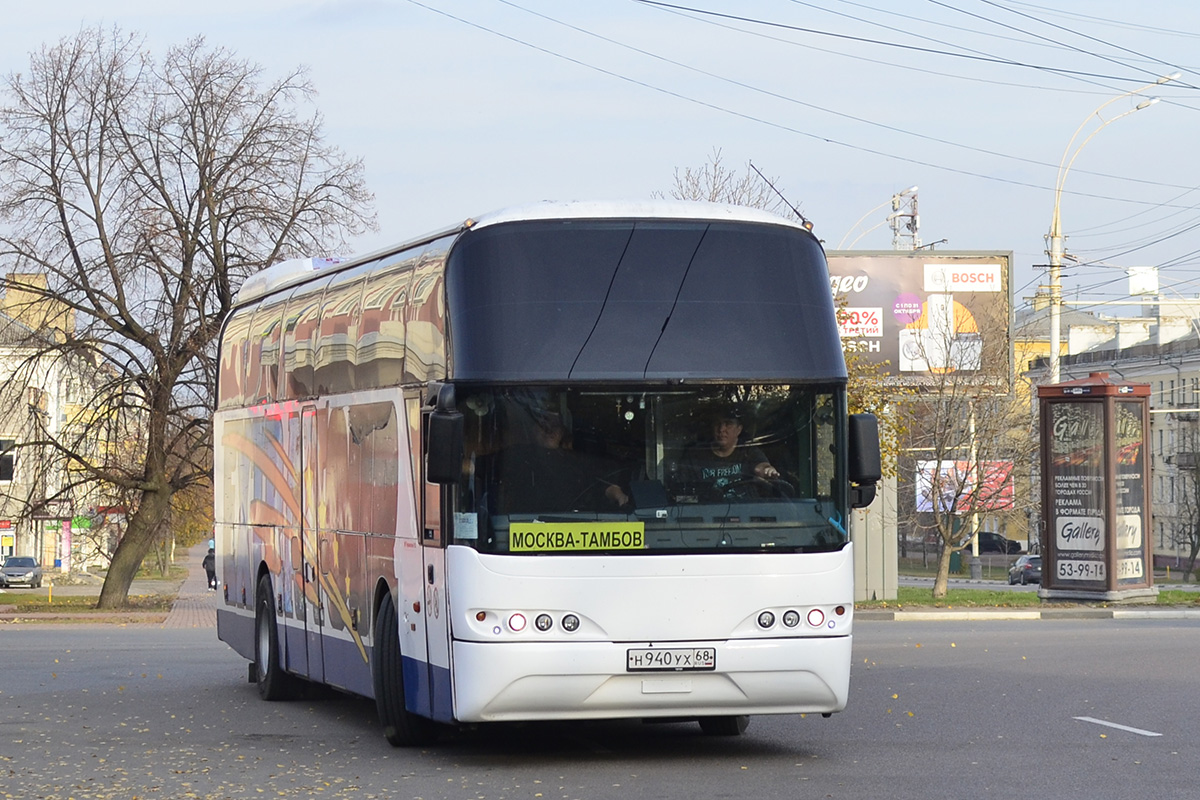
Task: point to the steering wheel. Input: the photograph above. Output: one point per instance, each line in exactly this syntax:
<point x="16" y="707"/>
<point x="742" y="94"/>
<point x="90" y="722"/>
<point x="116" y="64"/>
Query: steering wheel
<point x="758" y="487"/>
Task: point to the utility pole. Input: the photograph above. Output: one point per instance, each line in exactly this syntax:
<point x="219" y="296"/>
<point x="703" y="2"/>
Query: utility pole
<point x="913" y="223"/>
<point x="1055" y="251"/>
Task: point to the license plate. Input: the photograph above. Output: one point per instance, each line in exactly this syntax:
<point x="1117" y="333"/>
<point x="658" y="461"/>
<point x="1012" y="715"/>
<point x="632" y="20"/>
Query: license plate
<point x="670" y="659"/>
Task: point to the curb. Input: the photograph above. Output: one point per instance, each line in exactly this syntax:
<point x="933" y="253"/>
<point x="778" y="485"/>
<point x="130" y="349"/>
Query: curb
<point x="980" y="614"/>
<point x="106" y="618"/>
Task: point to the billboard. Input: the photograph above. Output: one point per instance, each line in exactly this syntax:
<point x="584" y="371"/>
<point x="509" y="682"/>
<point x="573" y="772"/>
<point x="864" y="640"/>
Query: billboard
<point x="954" y="487"/>
<point x="926" y="314"/>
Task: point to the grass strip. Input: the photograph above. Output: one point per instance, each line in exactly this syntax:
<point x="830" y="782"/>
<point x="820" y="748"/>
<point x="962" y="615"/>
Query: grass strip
<point x="922" y="597"/>
<point x="13" y="602"/>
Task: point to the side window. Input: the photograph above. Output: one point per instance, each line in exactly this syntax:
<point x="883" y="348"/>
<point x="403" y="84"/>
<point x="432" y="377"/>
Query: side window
<point x="8" y="460"/>
<point x="234" y="352"/>
<point x="432" y="506"/>
<point x="429" y="495"/>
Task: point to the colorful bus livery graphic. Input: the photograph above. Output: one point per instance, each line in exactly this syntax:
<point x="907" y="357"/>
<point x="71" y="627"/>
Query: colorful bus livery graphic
<point x="288" y="529"/>
<point x="452" y="476"/>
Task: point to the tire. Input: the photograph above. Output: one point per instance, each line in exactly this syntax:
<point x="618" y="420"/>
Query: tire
<point x="273" y="682"/>
<point x="1023" y="581"/>
<point x="724" y="726"/>
<point x="400" y="727"/>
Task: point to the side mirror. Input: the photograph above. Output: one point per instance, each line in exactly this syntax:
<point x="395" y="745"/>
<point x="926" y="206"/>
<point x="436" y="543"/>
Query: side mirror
<point x="865" y="466"/>
<point x="444" y="442"/>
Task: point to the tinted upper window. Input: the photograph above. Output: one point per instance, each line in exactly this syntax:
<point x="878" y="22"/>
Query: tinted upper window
<point x="605" y="299"/>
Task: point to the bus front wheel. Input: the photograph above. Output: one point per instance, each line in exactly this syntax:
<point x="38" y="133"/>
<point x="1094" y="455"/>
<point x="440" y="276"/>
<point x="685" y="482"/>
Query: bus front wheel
<point x="400" y="727"/>
<point x="724" y="726"/>
<point x="273" y="682"/>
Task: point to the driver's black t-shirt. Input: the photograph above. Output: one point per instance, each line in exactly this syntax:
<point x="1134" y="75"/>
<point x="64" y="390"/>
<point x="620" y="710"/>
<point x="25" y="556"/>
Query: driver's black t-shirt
<point x="721" y="477"/>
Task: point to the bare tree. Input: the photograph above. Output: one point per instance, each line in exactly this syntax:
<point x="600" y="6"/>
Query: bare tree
<point x="973" y="433"/>
<point x="716" y="183"/>
<point x="1185" y="527"/>
<point x="145" y="191"/>
<point x="869" y="391"/>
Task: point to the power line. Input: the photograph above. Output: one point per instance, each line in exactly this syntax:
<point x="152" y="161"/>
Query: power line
<point x="897" y="65"/>
<point x="1104" y="20"/>
<point x="882" y="43"/>
<point x="740" y="114"/>
<point x="803" y="103"/>
<point x="1060" y="28"/>
<point x="775" y="125"/>
<point x="813" y="106"/>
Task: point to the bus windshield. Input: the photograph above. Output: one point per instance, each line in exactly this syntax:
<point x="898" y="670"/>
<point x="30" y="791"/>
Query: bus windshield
<point x="746" y="467"/>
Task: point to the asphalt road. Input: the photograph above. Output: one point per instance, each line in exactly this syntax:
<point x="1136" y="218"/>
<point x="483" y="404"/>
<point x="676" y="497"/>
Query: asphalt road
<point x="938" y="710"/>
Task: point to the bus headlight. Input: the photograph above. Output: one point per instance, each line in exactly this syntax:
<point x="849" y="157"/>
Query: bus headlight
<point x="543" y="622"/>
<point x="766" y="619"/>
<point x="816" y="617"/>
<point x="516" y="623"/>
<point x="570" y="623"/>
<point x="791" y="618"/>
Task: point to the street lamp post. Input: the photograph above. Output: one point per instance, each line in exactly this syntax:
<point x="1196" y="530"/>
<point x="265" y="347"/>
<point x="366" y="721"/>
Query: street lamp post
<point x="1054" y="239"/>
<point x="894" y="203"/>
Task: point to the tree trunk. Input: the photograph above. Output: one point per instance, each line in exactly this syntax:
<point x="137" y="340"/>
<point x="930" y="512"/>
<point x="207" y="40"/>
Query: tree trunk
<point x="133" y="547"/>
<point x="942" y="582"/>
<point x="1191" y="568"/>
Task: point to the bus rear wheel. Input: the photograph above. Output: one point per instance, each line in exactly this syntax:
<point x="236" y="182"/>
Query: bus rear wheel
<point x="273" y="682"/>
<point x="400" y="727"/>
<point x="724" y="726"/>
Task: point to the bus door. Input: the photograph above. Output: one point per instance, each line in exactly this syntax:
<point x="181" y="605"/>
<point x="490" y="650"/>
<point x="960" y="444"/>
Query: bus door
<point x="437" y="620"/>
<point x="311" y="551"/>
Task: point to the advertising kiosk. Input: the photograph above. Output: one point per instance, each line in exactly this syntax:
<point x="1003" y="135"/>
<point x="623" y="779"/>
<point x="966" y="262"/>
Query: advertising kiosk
<point x="1096" y="491"/>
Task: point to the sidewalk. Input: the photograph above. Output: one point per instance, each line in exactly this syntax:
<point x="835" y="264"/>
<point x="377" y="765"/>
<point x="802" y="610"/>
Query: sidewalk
<point x="196" y="606"/>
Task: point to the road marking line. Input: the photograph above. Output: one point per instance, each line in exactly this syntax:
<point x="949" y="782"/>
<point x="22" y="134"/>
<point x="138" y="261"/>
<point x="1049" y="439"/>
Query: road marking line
<point x="1138" y="731"/>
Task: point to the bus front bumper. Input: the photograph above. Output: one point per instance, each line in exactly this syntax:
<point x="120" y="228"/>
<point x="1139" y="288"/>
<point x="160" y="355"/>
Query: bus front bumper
<point x="510" y="681"/>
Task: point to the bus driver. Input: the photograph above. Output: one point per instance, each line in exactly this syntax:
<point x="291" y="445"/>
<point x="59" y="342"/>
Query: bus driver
<point x="721" y="468"/>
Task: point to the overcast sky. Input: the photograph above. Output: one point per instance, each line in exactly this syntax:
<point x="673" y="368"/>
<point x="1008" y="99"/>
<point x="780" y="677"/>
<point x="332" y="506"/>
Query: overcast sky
<point x="459" y="107"/>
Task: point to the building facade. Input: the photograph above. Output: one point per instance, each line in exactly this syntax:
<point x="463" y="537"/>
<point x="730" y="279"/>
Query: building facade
<point x="1162" y="350"/>
<point x="44" y="511"/>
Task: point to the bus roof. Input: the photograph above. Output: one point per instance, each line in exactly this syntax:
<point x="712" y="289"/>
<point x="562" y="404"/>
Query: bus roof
<point x="630" y="209"/>
<point x="289" y="273"/>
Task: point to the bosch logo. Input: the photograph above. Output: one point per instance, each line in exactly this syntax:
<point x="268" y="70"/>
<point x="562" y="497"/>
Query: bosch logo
<point x="970" y="277"/>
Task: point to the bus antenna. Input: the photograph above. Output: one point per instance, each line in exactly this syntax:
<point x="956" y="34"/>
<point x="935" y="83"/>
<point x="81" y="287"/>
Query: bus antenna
<point x="803" y="219"/>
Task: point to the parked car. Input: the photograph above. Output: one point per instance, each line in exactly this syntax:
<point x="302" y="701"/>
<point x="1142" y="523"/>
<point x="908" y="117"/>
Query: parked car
<point x="990" y="542"/>
<point x="1026" y="569"/>
<point x="21" y="571"/>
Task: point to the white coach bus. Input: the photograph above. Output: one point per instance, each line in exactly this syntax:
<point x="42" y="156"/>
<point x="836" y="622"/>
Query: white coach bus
<point x="564" y="461"/>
